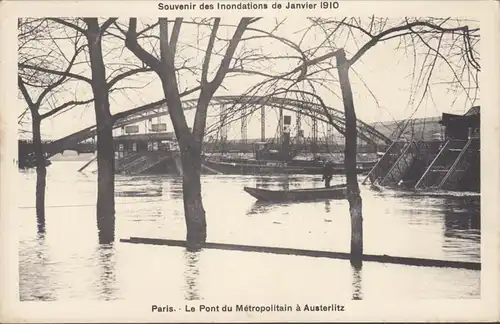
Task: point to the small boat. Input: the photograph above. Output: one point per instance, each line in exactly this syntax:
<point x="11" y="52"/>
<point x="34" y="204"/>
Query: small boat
<point x="334" y="192"/>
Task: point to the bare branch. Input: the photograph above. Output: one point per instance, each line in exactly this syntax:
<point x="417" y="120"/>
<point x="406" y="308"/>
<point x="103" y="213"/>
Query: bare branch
<point x="68" y="104"/>
<point x="63" y="77"/>
<point x="206" y="94"/>
<point x="26" y="95"/>
<point x="208" y="52"/>
<point x="375" y="39"/>
<point x="126" y="74"/>
<point x="106" y="25"/>
<point x="133" y="45"/>
<point x="174" y="38"/>
<point x="70" y="25"/>
<point x="226" y="60"/>
<point x="51" y="71"/>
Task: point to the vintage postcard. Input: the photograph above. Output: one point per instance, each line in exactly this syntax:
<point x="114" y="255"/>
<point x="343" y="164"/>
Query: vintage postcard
<point x="249" y="161"/>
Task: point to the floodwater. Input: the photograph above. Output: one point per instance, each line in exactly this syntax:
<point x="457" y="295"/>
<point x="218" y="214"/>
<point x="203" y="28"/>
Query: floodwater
<point x="67" y="263"/>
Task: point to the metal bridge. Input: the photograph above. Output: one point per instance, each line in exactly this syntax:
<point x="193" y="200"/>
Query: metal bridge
<point x="235" y="107"/>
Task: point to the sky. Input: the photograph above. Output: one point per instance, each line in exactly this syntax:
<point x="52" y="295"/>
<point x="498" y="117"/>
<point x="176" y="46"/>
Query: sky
<point x="381" y="81"/>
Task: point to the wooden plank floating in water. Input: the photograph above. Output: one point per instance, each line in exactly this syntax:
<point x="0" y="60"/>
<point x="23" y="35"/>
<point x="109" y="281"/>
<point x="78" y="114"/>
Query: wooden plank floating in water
<point x="312" y="253"/>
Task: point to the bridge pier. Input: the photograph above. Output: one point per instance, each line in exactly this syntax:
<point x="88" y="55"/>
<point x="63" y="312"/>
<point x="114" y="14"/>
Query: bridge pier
<point x="244" y="125"/>
<point x="298" y="128"/>
<point x="280" y="122"/>
<point x="262" y="123"/>
<point x="314" y="136"/>
<point x="223" y="127"/>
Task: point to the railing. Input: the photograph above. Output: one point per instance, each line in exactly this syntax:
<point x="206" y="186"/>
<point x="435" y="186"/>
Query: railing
<point x="459" y="167"/>
<point x="125" y="168"/>
<point x="402" y="164"/>
<point x="121" y="162"/>
<point x="143" y="161"/>
<point x="391" y="154"/>
<point x="440" y="165"/>
<point x="127" y="158"/>
<point x="148" y="164"/>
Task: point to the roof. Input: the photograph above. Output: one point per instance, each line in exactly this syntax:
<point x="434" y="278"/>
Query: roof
<point x="473" y="111"/>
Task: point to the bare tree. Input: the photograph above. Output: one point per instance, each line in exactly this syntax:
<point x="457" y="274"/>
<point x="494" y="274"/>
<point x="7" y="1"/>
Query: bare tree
<point x="449" y="42"/>
<point x="432" y="43"/>
<point x="39" y="91"/>
<point x="92" y="32"/>
<point x="190" y="141"/>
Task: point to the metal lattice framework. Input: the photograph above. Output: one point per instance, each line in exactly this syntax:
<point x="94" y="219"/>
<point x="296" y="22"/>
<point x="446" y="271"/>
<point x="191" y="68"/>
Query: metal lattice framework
<point x="236" y="104"/>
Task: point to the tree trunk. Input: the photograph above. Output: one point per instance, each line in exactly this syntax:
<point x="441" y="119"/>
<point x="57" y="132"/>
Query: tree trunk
<point x="194" y="213"/>
<point x="353" y="196"/>
<point x="41" y="172"/>
<point x="190" y="149"/>
<point x="105" y="184"/>
<point x="189" y="141"/>
<point x="105" y="151"/>
<point x="357" y="281"/>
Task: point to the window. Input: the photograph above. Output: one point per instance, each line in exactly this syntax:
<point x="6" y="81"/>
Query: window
<point x="134" y="146"/>
<point x="155" y="146"/>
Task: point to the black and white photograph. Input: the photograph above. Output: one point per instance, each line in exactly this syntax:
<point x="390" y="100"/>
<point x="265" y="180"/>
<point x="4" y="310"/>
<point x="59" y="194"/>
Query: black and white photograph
<point x="249" y="161"/>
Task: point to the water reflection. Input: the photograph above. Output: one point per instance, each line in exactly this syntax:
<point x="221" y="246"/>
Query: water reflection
<point x="52" y="269"/>
<point x="261" y="207"/>
<point x="175" y="187"/>
<point x="284" y="182"/>
<point x="191" y="275"/>
<point x="139" y="187"/>
<point x="327" y="206"/>
<point x="357" y="293"/>
<point x="34" y="277"/>
<point x="262" y="182"/>
<point x="256" y="208"/>
<point x="107" y="288"/>
<point x="461" y="214"/>
<point x="40" y="224"/>
<point x="462" y="224"/>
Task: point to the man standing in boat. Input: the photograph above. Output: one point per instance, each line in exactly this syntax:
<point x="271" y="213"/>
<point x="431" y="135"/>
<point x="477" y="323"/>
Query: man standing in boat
<point x="327" y="173"/>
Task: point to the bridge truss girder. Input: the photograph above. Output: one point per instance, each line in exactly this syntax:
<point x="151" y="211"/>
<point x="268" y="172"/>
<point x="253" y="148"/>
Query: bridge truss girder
<point x="313" y="110"/>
